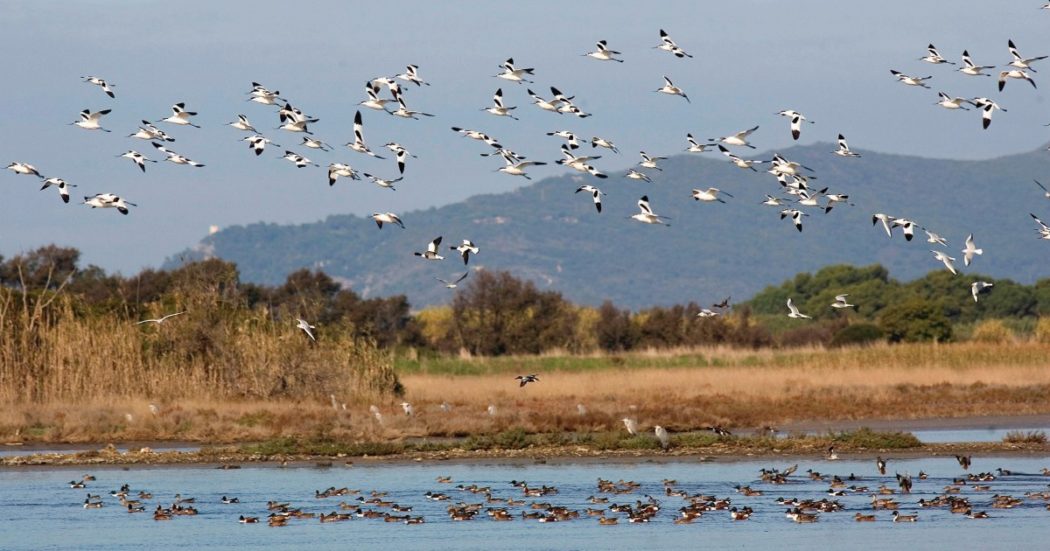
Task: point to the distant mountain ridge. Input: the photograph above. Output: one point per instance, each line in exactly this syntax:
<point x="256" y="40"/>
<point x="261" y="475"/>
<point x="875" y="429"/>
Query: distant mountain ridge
<point x="546" y="233"/>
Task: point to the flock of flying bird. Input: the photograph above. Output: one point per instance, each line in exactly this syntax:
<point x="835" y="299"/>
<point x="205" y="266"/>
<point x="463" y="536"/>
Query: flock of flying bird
<point x="794" y="179"/>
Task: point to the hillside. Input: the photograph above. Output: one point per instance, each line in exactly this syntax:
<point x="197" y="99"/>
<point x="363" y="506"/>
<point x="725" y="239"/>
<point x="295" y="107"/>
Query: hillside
<point x="546" y="233"/>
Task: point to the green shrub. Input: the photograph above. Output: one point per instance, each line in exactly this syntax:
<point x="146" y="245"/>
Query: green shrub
<point x="858" y="334"/>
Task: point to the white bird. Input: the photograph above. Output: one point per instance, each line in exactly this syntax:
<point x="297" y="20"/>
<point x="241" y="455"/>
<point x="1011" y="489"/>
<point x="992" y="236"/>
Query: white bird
<point x="910" y="80"/>
<point x="137" y="158"/>
<point x="886" y="221"/>
<point x="411" y="74"/>
<point x="242" y="124"/>
<point x="513" y="74"/>
<point x="747" y="164"/>
<point x="101" y="83"/>
<point x="603" y="53"/>
<point x="840" y="302"/>
<point x="650" y="162"/>
<point x="307" y="328"/>
<point x="374" y="101"/>
<point x="772" y="201"/>
<point x="949" y="102"/>
<point x="432" y="250"/>
<point x="631" y="425"/>
<point x="668" y="45"/>
<point x="381" y="182"/>
<point x="696" y="147"/>
<point x="161" y="320"/>
<point x="596" y="194"/>
<point x="844" y="150"/>
<point x="796" y="217"/>
<point x="970" y="250"/>
<point x="63" y="187"/>
<point x="934" y="238"/>
<point x="1044" y="230"/>
<point x="934" y="56"/>
<point x="294" y="114"/>
<point x="1014" y="73"/>
<point x="175" y="157"/>
<point x="491" y="410"/>
<point x="971" y="68"/>
<point x="479" y="136"/>
<point x="261" y="94"/>
<point x="663" y="437"/>
<point x="258" y="143"/>
<point x="738" y="139"/>
<point x="834" y="198"/>
<point x="465" y="249"/>
<point x="335" y="170"/>
<point x="498" y="108"/>
<point x="706" y="313"/>
<point x="647" y="216"/>
<point x="407" y="407"/>
<point x="570" y="138"/>
<point x="376" y="413"/>
<point x="709" y="195"/>
<point x="91" y="121"/>
<point x="404" y="112"/>
<point x="518" y="168"/>
<point x="453" y="284"/>
<point x="314" y="143"/>
<point x="358" y="144"/>
<point x="149" y="132"/>
<point x="671" y="89"/>
<point x="108" y="201"/>
<point x="597" y="141"/>
<point x="554" y="105"/>
<point x="947" y="260"/>
<point x="388" y="218"/>
<point x="180" y="116"/>
<point x="297" y="159"/>
<point x="793" y="311"/>
<point x="635" y="175"/>
<point x="1021" y="62"/>
<point x="291" y="125"/>
<point x="1046" y="192"/>
<point x="24" y="168"/>
<point x="579" y="163"/>
<point x="978" y="286"/>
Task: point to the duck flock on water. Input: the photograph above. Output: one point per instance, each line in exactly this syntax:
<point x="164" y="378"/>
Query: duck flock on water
<point x="867" y="497"/>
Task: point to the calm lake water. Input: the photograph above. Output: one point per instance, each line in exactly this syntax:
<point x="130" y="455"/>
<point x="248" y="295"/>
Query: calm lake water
<point x="40" y="511"/>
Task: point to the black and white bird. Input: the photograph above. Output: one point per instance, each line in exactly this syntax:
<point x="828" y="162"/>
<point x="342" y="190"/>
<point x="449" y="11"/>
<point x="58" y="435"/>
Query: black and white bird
<point x="986" y="106"/>
<point x="844" y="150"/>
<point x="404" y="112"/>
<point x="740" y="139"/>
<point x="101" y="83"/>
<point x="306" y="328"/>
<point x="175" y="157"/>
<point x="108" y="201"/>
<point x="554" y="105"/>
<point x="636" y="175"/>
<point x="1017" y="74"/>
<point x="411" y="74"/>
<point x="947" y="260"/>
<point x="293" y="125"/>
<point x="314" y="143"/>
<point x="374" y="101"/>
<point x="910" y="80"/>
<point x="63" y="187"/>
<point x="907" y="226"/>
<point x="358" y="144"/>
<point x="454" y="283"/>
<point x="1019" y="61"/>
<point x="262" y="95"/>
<point x="796" y="217"/>
<point x="498" y="108"/>
<point x="796" y="119"/>
<point x="24" y="168"/>
<point x="517" y="168"/>
<point x="401" y="154"/>
<point x="571" y="139"/>
<point x="336" y="170"/>
<point x="646" y="214"/>
<point x="382" y="182"/>
<point x="432" y="250"/>
<point x="479" y="136"/>
<point x="949" y="102"/>
<point x="977" y="286"/>
<point x="970" y="250"/>
<point x="709" y="195"/>
<point x="971" y="68"/>
<point x="793" y="312"/>
<point x="668" y="45"/>
<point x="580" y="164"/>
<point x="242" y="124"/>
<point x="1046" y="192"/>
<point x="513" y="74"/>
<point x="91" y="121"/>
<point x="886" y="221"/>
<point x="833" y="199"/>
<point x="297" y="159"/>
<point x="150" y="132"/>
<point x="465" y="249"/>
<point x="180" y="116"/>
<point x="933" y="56"/>
<point x="1043" y="229"/>
<point x="670" y="89"/>
<point x="696" y="147"/>
<point x="381" y="218"/>
<point x="747" y="164"/>
<point x="603" y="53"/>
<point x="161" y="320"/>
<point x="934" y="238"/>
<point x="596" y="194"/>
<point x="137" y="158"/>
<point x="649" y="161"/>
<point x="258" y="143"/>
<point x="597" y="141"/>
<point x="840" y="302"/>
<point x="526" y="379"/>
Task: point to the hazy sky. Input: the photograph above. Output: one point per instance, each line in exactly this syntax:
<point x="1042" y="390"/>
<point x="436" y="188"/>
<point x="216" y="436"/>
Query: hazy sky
<point x="828" y="59"/>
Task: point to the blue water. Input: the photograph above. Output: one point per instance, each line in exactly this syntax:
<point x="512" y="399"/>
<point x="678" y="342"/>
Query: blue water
<point x="40" y="511"/>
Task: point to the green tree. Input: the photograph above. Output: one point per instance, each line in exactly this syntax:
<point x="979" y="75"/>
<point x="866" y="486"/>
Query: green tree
<point x="915" y="320"/>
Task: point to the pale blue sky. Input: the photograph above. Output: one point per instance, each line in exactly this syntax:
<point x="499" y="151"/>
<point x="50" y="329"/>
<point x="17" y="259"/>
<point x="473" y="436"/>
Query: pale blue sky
<point x="830" y="60"/>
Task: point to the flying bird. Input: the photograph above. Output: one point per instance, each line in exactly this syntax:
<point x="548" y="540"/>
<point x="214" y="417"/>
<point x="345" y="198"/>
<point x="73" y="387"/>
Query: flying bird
<point x="840" y="302"/>
<point x="793" y="312"/>
<point x="970" y="250"/>
<point x="411" y="74"/>
<point x="175" y="157"/>
<point x="739" y="139"/>
<point x="465" y="249"/>
<point x="297" y="159"/>
<point x="910" y="80"/>
<point x="709" y="195"/>
<point x="314" y="143"/>
<point x="432" y="250"/>
<point x="138" y="158"/>
<point x="454" y="283"/>
<point x="513" y="74"/>
<point x="696" y="147"/>
<point x="603" y="53"/>
<point x="947" y="260"/>
<point x="971" y="68"/>
<point x="258" y="143"/>
<point x="381" y="182"/>
<point x="180" y="116"/>
<point x="306" y="327"/>
<point x="387" y="218"/>
<point x="91" y="121"/>
<point x="1014" y="73"/>
<point x="668" y="45"/>
<point x="602" y="142"/>
<point x="101" y="83"/>
<point x="844" y="150"/>
<point x="1019" y="61"/>
<point x="1046" y="192"/>
<point x="161" y="320"/>
<point x="242" y="124"/>
<point x="596" y="194"/>
<point x="335" y="170"/>
<point x="933" y="56"/>
<point x="949" y="102"/>
<point x="498" y="108"/>
<point x="108" y="201"/>
<point x="636" y="175"/>
<point x="646" y="214"/>
<point x="24" y="168"/>
<point x="526" y="379"/>
<point x="670" y="89"/>
<point x="649" y="161"/>
<point x="150" y="132"/>
<point x="977" y="286"/>
<point x="796" y="217"/>
<point x="358" y="144"/>
<point x="63" y="187"/>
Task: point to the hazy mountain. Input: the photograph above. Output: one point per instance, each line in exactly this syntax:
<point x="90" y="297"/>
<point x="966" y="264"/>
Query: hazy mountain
<point x="546" y="233"/>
